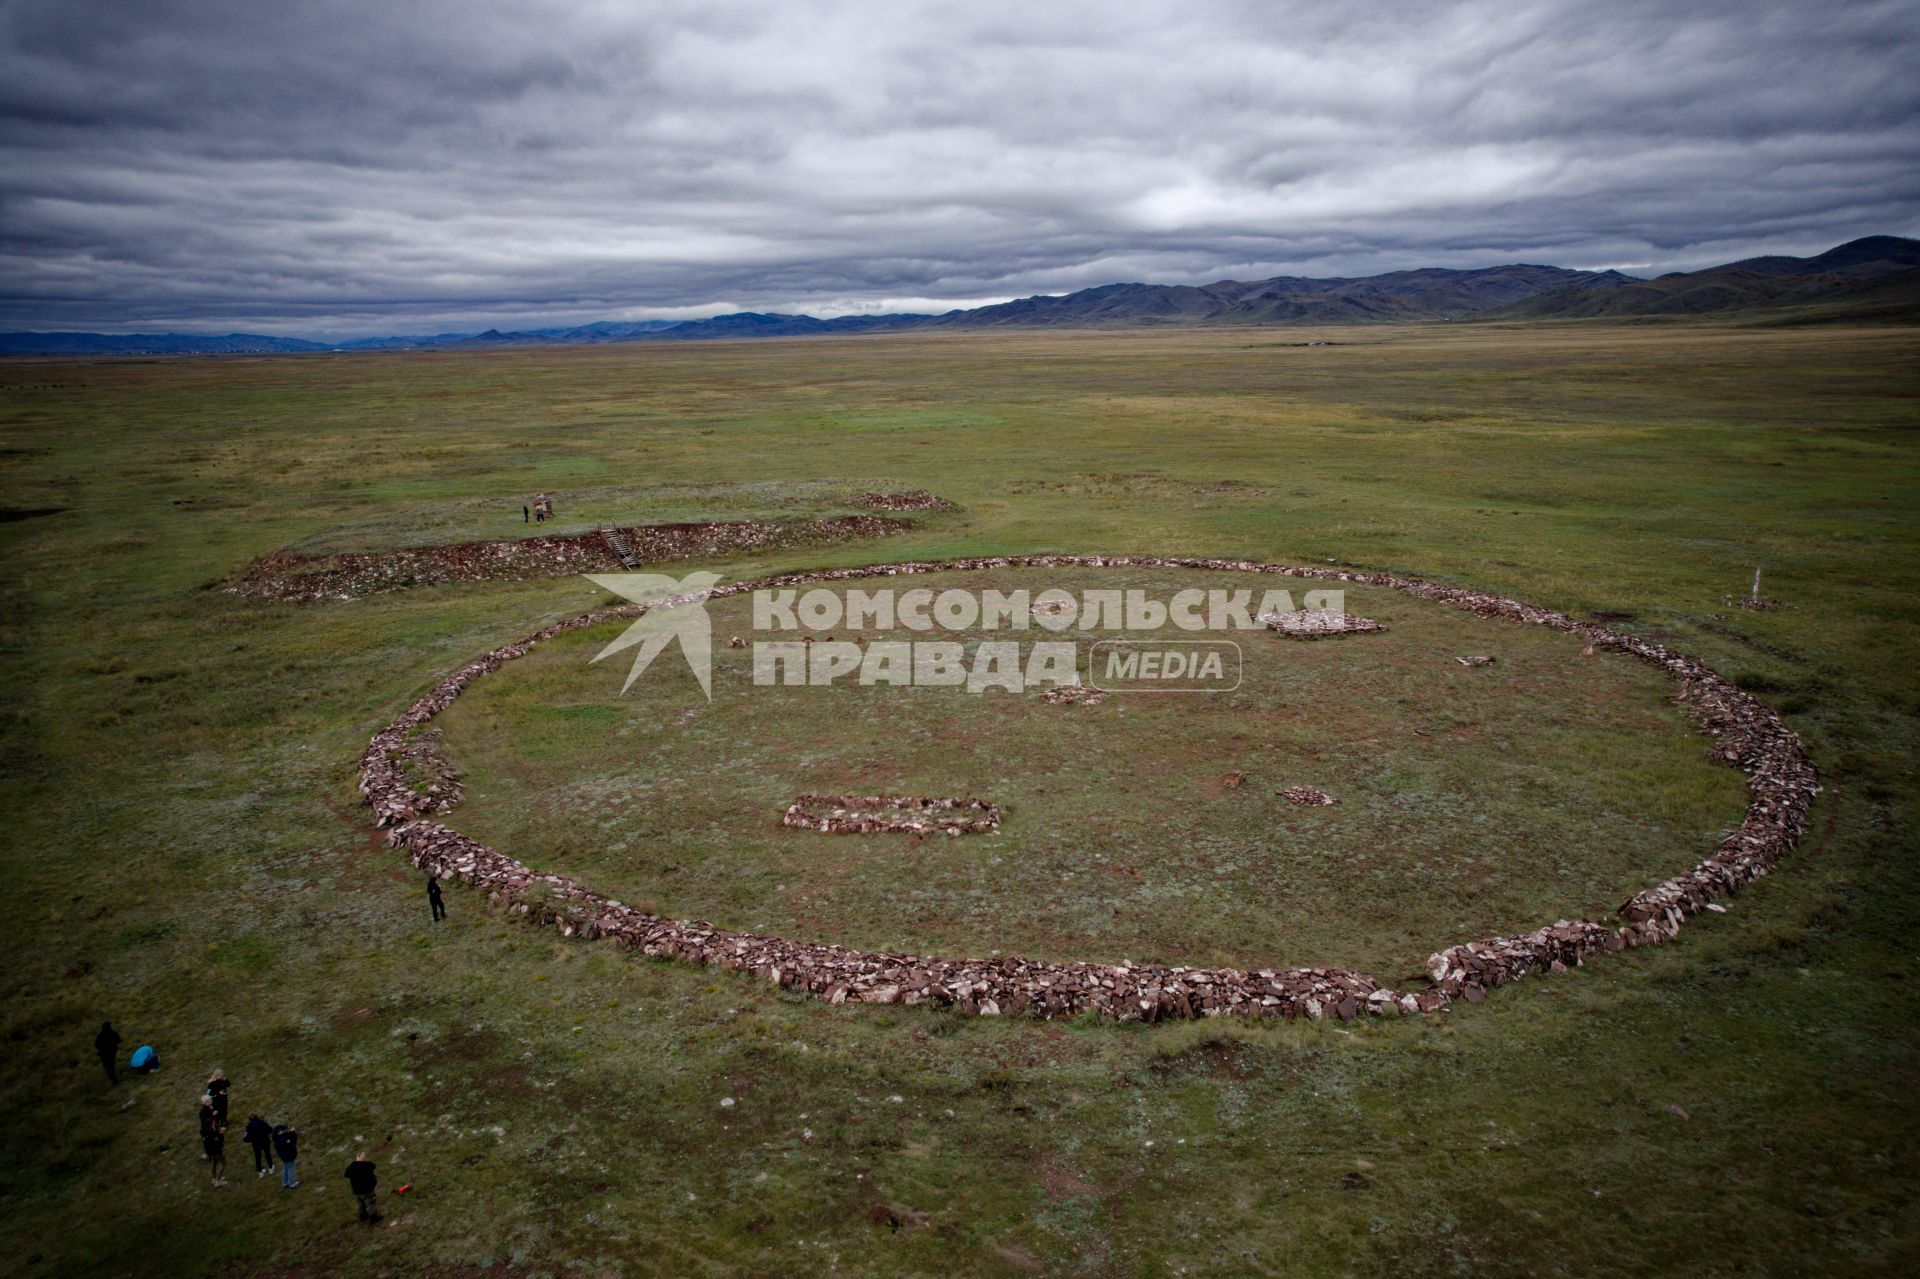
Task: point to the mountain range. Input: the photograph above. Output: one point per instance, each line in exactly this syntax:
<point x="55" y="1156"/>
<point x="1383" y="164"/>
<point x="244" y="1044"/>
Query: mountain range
<point x="1872" y="279"/>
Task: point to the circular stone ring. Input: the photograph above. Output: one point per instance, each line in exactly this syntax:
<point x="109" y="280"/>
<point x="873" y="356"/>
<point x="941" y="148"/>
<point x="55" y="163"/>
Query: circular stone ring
<point x="1746" y="733"/>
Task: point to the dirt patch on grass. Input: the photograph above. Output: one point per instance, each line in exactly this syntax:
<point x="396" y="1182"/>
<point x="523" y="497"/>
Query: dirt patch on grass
<point x="1215" y="1058"/>
<point x="1062" y="1184"/>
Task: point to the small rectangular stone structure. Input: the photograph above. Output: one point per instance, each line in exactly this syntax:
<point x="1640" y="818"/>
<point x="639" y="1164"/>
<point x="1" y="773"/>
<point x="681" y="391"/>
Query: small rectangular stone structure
<point x="1074" y="695"/>
<point x="910" y="814"/>
<point x="1318" y="623"/>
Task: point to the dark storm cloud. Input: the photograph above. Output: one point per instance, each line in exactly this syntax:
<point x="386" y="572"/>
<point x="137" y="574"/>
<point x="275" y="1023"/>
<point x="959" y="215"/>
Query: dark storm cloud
<point x="358" y="167"/>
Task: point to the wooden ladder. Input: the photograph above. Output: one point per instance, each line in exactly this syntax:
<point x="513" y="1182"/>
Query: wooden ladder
<point x="620" y="548"/>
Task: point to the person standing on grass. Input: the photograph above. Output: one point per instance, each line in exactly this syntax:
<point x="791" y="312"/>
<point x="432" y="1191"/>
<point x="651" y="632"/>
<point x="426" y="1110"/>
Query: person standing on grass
<point x="260" y="1139"/>
<point x="214" y="1142"/>
<point x="286" y="1144"/>
<point x="209" y="1117"/>
<point x="526" y="515"/>
<point x="434" y="899"/>
<point x="360" y="1176"/>
<point x="217" y="1090"/>
<point x="107" y="1044"/>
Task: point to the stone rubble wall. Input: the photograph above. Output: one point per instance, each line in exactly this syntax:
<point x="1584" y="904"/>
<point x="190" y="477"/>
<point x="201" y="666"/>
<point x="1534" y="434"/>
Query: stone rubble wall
<point x="307" y="578"/>
<point x="1746" y="734"/>
<point x="426" y="771"/>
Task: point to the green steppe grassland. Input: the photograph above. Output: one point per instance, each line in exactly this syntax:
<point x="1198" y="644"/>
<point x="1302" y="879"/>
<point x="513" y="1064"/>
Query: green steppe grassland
<point x="187" y="856"/>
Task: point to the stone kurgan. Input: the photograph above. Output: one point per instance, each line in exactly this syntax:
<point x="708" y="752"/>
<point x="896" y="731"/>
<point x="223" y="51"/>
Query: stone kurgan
<point x="1746" y="734"/>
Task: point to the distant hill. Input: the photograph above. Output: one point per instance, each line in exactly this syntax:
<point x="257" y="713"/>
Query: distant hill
<point x="1871" y="257"/>
<point x="1875" y="279"/>
<point x="147" y="344"/>
<point x="1429" y="294"/>
<point x="753" y="324"/>
<point x="1870" y="277"/>
<point x="604" y="331"/>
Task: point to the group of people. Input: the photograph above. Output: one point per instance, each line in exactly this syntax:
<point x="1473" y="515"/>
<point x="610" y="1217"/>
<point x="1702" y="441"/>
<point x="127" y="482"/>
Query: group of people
<point x="266" y="1141"/>
<point x="282" y="1140"/>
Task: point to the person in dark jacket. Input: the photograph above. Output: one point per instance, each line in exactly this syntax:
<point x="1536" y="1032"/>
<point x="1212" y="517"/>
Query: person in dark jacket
<point x="286" y="1144"/>
<point x="526" y="516"/>
<point x="209" y="1117"/>
<point x="217" y="1089"/>
<point x="360" y="1176"/>
<point x="214" y="1141"/>
<point x="434" y="899"/>
<point x="107" y="1044"/>
<point x="260" y="1140"/>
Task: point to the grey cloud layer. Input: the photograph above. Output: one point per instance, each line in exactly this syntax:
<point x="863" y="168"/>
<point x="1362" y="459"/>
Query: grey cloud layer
<point x="354" y="167"/>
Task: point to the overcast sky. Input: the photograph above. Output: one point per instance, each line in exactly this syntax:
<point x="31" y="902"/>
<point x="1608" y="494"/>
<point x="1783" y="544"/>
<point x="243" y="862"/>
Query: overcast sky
<point x="352" y="168"/>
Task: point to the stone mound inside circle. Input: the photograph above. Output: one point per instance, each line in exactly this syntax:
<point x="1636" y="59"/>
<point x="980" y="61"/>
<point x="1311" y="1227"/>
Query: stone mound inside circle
<point x="1307" y="796"/>
<point x="909" y="814"/>
<point x="906" y="500"/>
<point x="1318" y="623"/>
<point x="1074" y="695"/>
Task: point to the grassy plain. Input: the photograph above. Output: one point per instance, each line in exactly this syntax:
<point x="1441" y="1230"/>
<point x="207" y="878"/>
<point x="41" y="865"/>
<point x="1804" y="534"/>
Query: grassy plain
<point x="186" y="856"/>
